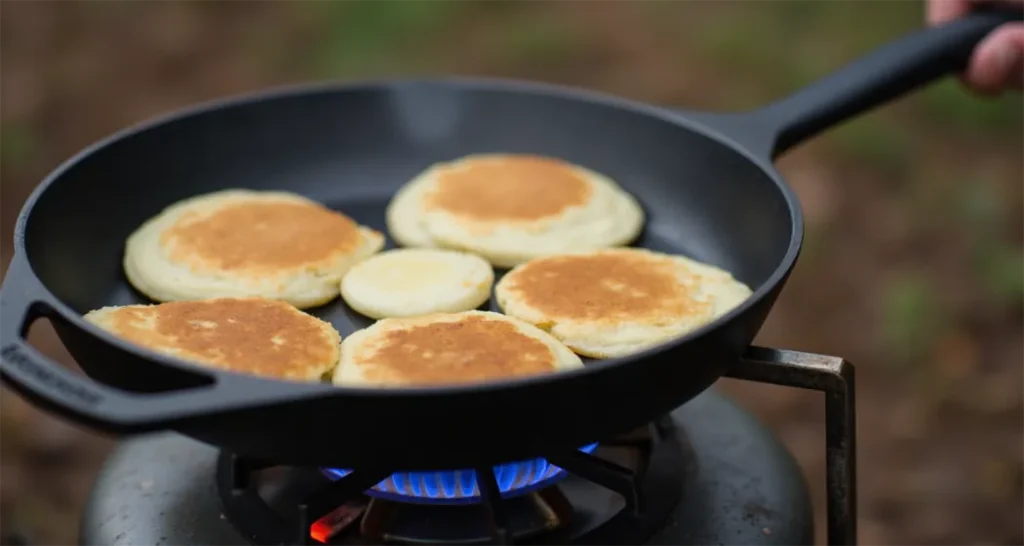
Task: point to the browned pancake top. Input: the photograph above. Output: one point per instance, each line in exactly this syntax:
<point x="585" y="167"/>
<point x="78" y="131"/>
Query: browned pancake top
<point x="471" y="350"/>
<point x="611" y="285"/>
<point x="518" y="188"/>
<point x="261" y="235"/>
<point x="257" y="336"/>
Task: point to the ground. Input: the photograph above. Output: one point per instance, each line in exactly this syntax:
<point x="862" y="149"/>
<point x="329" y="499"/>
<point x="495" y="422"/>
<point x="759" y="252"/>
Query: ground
<point x="913" y="266"/>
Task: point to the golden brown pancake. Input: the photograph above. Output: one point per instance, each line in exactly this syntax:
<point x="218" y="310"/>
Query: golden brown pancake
<point x="255" y="236"/>
<point x="519" y="188"/>
<point x="607" y="286"/>
<point x="615" y="302"/>
<point x="510" y="208"/>
<point x="251" y="335"/>
<point x="244" y="243"/>
<point x="466" y="347"/>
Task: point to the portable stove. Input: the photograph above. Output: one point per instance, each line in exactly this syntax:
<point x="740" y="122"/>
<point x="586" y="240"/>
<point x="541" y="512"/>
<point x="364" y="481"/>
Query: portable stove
<point x="708" y="473"/>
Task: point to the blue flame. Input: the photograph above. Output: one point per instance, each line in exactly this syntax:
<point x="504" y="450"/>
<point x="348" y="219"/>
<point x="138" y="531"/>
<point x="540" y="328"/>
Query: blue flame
<point x="459" y="486"/>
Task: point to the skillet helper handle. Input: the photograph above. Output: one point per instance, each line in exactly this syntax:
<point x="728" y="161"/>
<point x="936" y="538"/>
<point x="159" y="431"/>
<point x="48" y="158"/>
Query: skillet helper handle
<point x="80" y="399"/>
<point x="833" y="376"/>
<point x="879" y="77"/>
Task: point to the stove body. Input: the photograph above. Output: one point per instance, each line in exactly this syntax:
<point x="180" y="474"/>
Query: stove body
<point x="722" y="478"/>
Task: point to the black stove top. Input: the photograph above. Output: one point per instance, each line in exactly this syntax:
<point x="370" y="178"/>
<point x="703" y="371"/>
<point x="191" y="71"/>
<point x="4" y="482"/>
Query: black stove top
<point x="709" y="474"/>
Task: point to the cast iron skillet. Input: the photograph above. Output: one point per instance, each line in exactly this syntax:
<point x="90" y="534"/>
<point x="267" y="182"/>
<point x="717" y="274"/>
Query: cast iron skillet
<point x="706" y="181"/>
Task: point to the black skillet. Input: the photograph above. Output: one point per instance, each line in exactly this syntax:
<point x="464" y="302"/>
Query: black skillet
<point x="706" y="181"/>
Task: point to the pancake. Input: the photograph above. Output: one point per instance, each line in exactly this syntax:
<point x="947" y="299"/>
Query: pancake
<point x="242" y="243"/>
<point x="512" y="208"/>
<point x="440" y="349"/>
<point x="616" y="302"/>
<point x="256" y="336"/>
<point x="417" y="281"/>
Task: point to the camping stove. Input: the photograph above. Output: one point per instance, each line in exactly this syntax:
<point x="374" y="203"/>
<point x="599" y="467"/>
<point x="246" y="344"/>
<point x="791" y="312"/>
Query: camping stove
<point x="707" y="473"/>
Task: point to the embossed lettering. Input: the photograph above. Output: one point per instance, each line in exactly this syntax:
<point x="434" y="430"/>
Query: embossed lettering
<point x="27" y="364"/>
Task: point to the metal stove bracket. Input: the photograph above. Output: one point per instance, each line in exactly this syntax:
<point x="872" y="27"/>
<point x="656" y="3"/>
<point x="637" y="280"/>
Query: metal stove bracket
<point x="833" y="376"/>
<point x="490" y="496"/>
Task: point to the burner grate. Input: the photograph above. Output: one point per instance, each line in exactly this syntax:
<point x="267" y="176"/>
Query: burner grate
<point x="646" y="464"/>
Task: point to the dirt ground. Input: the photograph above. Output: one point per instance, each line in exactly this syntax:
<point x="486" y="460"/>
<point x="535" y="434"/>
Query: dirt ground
<point x="913" y="268"/>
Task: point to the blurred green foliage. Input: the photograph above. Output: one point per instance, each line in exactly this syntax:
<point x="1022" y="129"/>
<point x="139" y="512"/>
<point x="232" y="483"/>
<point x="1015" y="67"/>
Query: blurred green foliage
<point x="534" y="40"/>
<point x="876" y="140"/>
<point x="19" y="143"/>
<point x="912" y="317"/>
<point x="950" y="104"/>
<point x="359" y="36"/>
<point x="998" y="263"/>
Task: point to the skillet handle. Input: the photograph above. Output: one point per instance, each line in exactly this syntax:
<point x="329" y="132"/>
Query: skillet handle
<point x="833" y="376"/>
<point x="82" y="400"/>
<point x="877" y="78"/>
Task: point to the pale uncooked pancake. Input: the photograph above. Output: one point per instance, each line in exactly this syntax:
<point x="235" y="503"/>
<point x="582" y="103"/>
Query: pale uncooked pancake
<point x="410" y="282"/>
<point x="512" y="208"/>
<point x="240" y="243"/>
<point x="468" y="347"/>
<point x="257" y="336"/>
<point x="615" y="302"/>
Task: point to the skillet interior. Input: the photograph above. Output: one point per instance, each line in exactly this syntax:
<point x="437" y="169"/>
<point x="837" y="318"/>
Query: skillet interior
<point x="352" y="148"/>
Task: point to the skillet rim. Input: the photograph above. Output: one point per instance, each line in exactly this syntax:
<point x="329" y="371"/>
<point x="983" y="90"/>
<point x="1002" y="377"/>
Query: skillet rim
<point x="302" y="390"/>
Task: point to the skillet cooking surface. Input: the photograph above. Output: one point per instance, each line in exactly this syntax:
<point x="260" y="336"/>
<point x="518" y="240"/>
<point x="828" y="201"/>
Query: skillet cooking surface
<point x="330" y="146"/>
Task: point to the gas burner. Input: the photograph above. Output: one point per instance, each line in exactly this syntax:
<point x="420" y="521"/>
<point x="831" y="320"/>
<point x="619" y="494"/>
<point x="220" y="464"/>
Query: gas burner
<point x="460" y="486"/>
<point x="707" y="473"/>
<point x="617" y="493"/>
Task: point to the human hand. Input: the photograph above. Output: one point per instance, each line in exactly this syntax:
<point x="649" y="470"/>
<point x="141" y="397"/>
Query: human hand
<point x="997" y="63"/>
